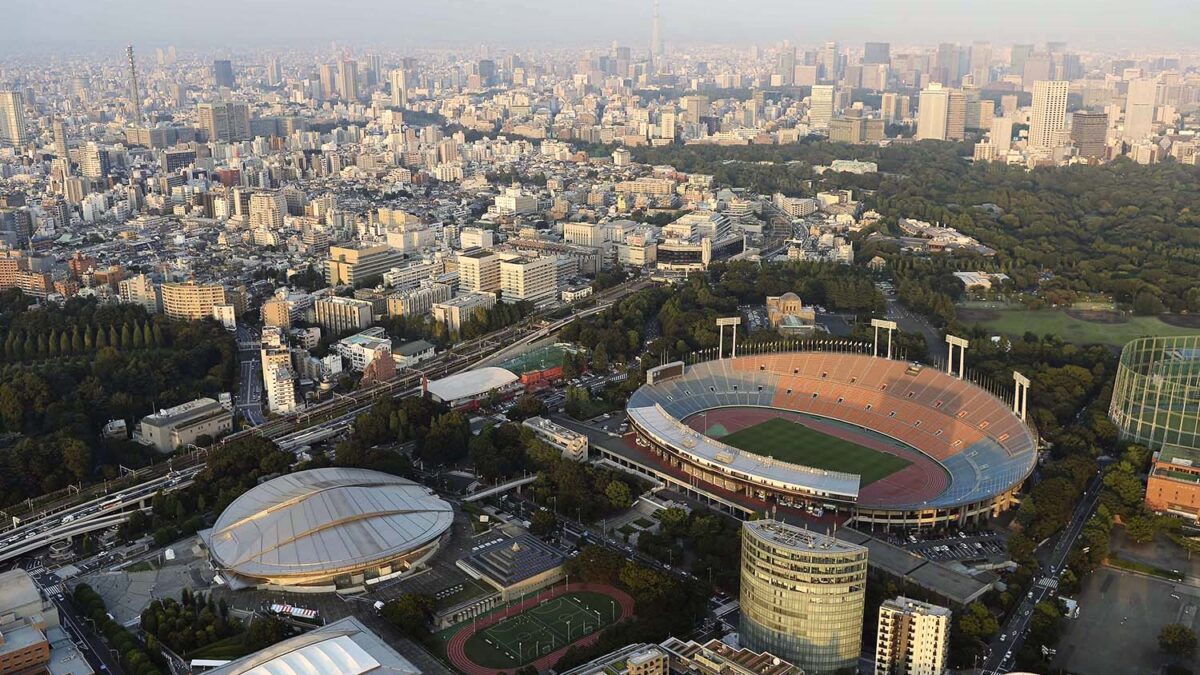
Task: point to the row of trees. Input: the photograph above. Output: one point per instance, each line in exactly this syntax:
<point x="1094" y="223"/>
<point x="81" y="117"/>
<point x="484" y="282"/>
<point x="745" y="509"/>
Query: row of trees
<point x="133" y="654"/>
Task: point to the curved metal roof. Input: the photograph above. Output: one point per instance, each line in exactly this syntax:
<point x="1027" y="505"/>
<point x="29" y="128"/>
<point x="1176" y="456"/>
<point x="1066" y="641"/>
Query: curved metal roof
<point x="471" y="383"/>
<point x="324" y="520"/>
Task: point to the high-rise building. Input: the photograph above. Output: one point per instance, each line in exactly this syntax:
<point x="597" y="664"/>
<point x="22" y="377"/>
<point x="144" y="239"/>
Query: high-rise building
<point x="889" y="107"/>
<point x="93" y="162"/>
<point x="12" y="119"/>
<point x="274" y="73"/>
<point x="656" y="44"/>
<point x="913" y="638"/>
<point x="528" y="279"/>
<point x="280" y="385"/>
<point x="932" y="111"/>
<point x="1001" y="136"/>
<point x="327" y="76"/>
<point x="1039" y="66"/>
<point x="1049" y="116"/>
<point x="947" y="63"/>
<point x="802" y="595"/>
<point x="135" y="94"/>
<point x="400" y="88"/>
<point x="877" y="52"/>
<point x="1089" y="133"/>
<point x="820" y="110"/>
<point x="223" y="73"/>
<point x="348" y="80"/>
<point x="1017" y="57"/>
<point x="225" y="121"/>
<point x="267" y="210"/>
<point x="61" y="146"/>
<point x="830" y="60"/>
<point x="1139" y="108"/>
<point x="981" y="63"/>
<point x="787" y="66"/>
<point x="191" y="300"/>
<point x="479" y="271"/>
<point x="956" y="115"/>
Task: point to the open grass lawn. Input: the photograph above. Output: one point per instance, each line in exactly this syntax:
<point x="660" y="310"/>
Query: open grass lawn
<point x="798" y="444"/>
<point x="1015" y="322"/>
<point x="541" y="630"/>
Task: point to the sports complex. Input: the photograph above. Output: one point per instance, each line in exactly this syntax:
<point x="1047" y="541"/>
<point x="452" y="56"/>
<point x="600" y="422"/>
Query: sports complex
<point x="874" y="440"/>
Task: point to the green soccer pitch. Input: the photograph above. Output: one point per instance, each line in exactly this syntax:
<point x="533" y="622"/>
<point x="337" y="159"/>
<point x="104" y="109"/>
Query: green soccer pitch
<point x="542" y="630"/>
<point x="798" y="444"/>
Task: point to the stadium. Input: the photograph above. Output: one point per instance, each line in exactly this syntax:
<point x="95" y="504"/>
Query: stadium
<point x="326" y="530"/>
<point x="876" y="441"/>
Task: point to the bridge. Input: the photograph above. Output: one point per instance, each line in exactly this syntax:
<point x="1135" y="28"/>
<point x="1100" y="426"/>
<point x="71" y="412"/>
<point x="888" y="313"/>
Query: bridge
<point x="497" y="489"/>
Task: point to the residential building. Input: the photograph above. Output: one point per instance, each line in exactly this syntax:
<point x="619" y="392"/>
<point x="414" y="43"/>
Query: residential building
<point x="913" y="638"/>
<point x="418" y="301"/>
<point x="139" y="289"/>
<point x="528" y="279"/>
<point x="280" y="383"/>
<point x="267" y="209"/>
<point x="361" y="349"/>
<point x="1049" y="117"/>
<point x="13" y="132"/>
<point x="276" y="312"/>
<point x="184" y="424"/>
<point x="476" y="237"/>
<point x="339" y="315"/>
<point x="191" y="300"/>
<point x="802" y="595"/>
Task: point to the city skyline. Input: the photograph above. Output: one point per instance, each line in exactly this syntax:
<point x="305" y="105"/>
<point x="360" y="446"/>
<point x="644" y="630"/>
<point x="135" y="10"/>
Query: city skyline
<point x="83" y="26"/>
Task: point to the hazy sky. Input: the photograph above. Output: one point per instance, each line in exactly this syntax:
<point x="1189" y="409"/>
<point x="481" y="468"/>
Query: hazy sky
<point x="1085" y="24"/>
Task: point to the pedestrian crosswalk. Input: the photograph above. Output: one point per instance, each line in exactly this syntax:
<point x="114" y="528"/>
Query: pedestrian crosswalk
<point x="54" y="589"/>
<point x="1048" y="582"/>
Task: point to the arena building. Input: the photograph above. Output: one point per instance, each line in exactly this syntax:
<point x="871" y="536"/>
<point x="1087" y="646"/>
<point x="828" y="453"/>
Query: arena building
<point x="876" y="441"/>
<point x="326" y="530"/>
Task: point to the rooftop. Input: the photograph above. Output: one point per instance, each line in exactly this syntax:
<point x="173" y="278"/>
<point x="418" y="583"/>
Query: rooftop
<point x="346" y="647"/>
<point x="783" y="534"/>
<point x="471" y="383"/>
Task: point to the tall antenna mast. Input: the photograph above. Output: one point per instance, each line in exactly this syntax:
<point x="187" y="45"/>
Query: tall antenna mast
<point x="134" y="94"/>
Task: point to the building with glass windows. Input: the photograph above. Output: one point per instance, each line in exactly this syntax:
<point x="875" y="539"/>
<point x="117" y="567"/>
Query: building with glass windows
<point x="1156" y="398"/>
<point x="802" y="596"/>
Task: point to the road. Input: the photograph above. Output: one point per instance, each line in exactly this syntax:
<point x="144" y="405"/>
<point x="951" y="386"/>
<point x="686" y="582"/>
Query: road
<point x="97" y="654"/>
<point x="1052" y="563"/>
<point x="250" y="384"/>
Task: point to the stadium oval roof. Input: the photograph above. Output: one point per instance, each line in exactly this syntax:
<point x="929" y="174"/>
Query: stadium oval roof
<point x="471" y="383"/>
<point x="324" y="520"/>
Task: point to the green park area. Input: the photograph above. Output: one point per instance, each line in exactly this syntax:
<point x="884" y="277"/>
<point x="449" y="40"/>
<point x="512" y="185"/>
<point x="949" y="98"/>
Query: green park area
<point x="797" y="444"/>
<point x="1075" y="325"/>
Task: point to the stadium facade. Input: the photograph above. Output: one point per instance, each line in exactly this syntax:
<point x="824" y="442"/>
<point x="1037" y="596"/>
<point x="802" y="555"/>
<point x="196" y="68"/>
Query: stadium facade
<point x="969" y="450"/>
<point x="327" y="530"/>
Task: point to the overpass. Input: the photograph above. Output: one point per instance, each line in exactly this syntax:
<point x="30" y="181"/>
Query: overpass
<point x="497" y="489"/>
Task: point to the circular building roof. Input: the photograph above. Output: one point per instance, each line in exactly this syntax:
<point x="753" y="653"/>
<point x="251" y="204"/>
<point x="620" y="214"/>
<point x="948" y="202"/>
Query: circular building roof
<point x="325" y="521"/>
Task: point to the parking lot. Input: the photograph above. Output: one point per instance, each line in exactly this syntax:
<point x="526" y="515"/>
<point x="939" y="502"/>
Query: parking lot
<point x="970" y="547"/>
<point x="1120" y="615"/>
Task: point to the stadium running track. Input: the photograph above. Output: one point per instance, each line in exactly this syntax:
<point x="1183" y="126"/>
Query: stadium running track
<point x="456" y="648"/>
<point x="920" y="481"/>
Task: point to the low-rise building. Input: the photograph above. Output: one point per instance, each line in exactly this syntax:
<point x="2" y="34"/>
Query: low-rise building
<point x="170" y="428"/>
<point x="410" y="354"/>
<point x="360" y="349"/>
<point x="340" y="315"/>
<point x="572" y="444"/>
<point x="461" y="308"/>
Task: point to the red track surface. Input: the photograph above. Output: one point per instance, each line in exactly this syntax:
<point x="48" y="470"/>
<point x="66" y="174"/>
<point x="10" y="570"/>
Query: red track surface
<point x="921" y="480"/>
<point x="456" y="647"/>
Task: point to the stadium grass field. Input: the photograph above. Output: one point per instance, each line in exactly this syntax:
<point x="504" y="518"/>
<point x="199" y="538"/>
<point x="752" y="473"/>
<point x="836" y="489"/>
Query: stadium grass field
<point x="541" y="630"/>
<point x="798" y="444"/>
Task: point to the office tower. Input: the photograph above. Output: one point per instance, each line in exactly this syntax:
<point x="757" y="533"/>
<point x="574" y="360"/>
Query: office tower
<point x="932" y="111"/>
<point x="274" y="73"/>
<point x="877" y="52"/>
<point x="1001" y="136"/>
<point x="1049" y="116"/>
<point x="820" y="109"/>
<point x="223" y="73"/>
<point x="1038" y="67"/>
<point x="400" y="88"/>
<point x="61" y="146"/>
<point x="802" y="595"/>
<point x="980" y="114"/>
<point x="695" y="106"/>
<point x="1089" y="133"/>
<point x="946" y="64"/>
<point x="1139" y="108"/>
<point x="348" y="80"/>
<point x="191" y="300"/>
<point x="225" y="121"/>
<point x="831" y="61"/>
<point x="913" y="638"/>
<point x="956" y="115"/>
<point x="479" y="271"/>
<point x="656" y="45"/>
<point x="327" y="75"/>
<point x="172" y="55"/>
<point x="888" y="107"/>
<point x="1018" y="55"/>
<point x="981" y="63"/>
<point x="135" y="96"/>
<point x="787" y="66"/>
<point x="12" y="119"/>
<point x="529" y="279"/>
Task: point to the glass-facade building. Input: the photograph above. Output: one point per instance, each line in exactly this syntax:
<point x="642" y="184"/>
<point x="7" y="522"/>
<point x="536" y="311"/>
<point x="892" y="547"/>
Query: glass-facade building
<point x="1156" y="397"/>
<point x="802" y="596"/>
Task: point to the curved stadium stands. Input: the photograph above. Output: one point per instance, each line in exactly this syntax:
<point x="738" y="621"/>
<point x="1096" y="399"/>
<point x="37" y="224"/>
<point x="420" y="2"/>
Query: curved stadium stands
<point x="985" y="449"/>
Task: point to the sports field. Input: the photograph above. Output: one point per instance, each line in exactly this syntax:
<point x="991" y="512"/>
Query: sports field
<point x="1116" y="332"/>
<point x="798" y="444"/>
<point x="542" y="630"/>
